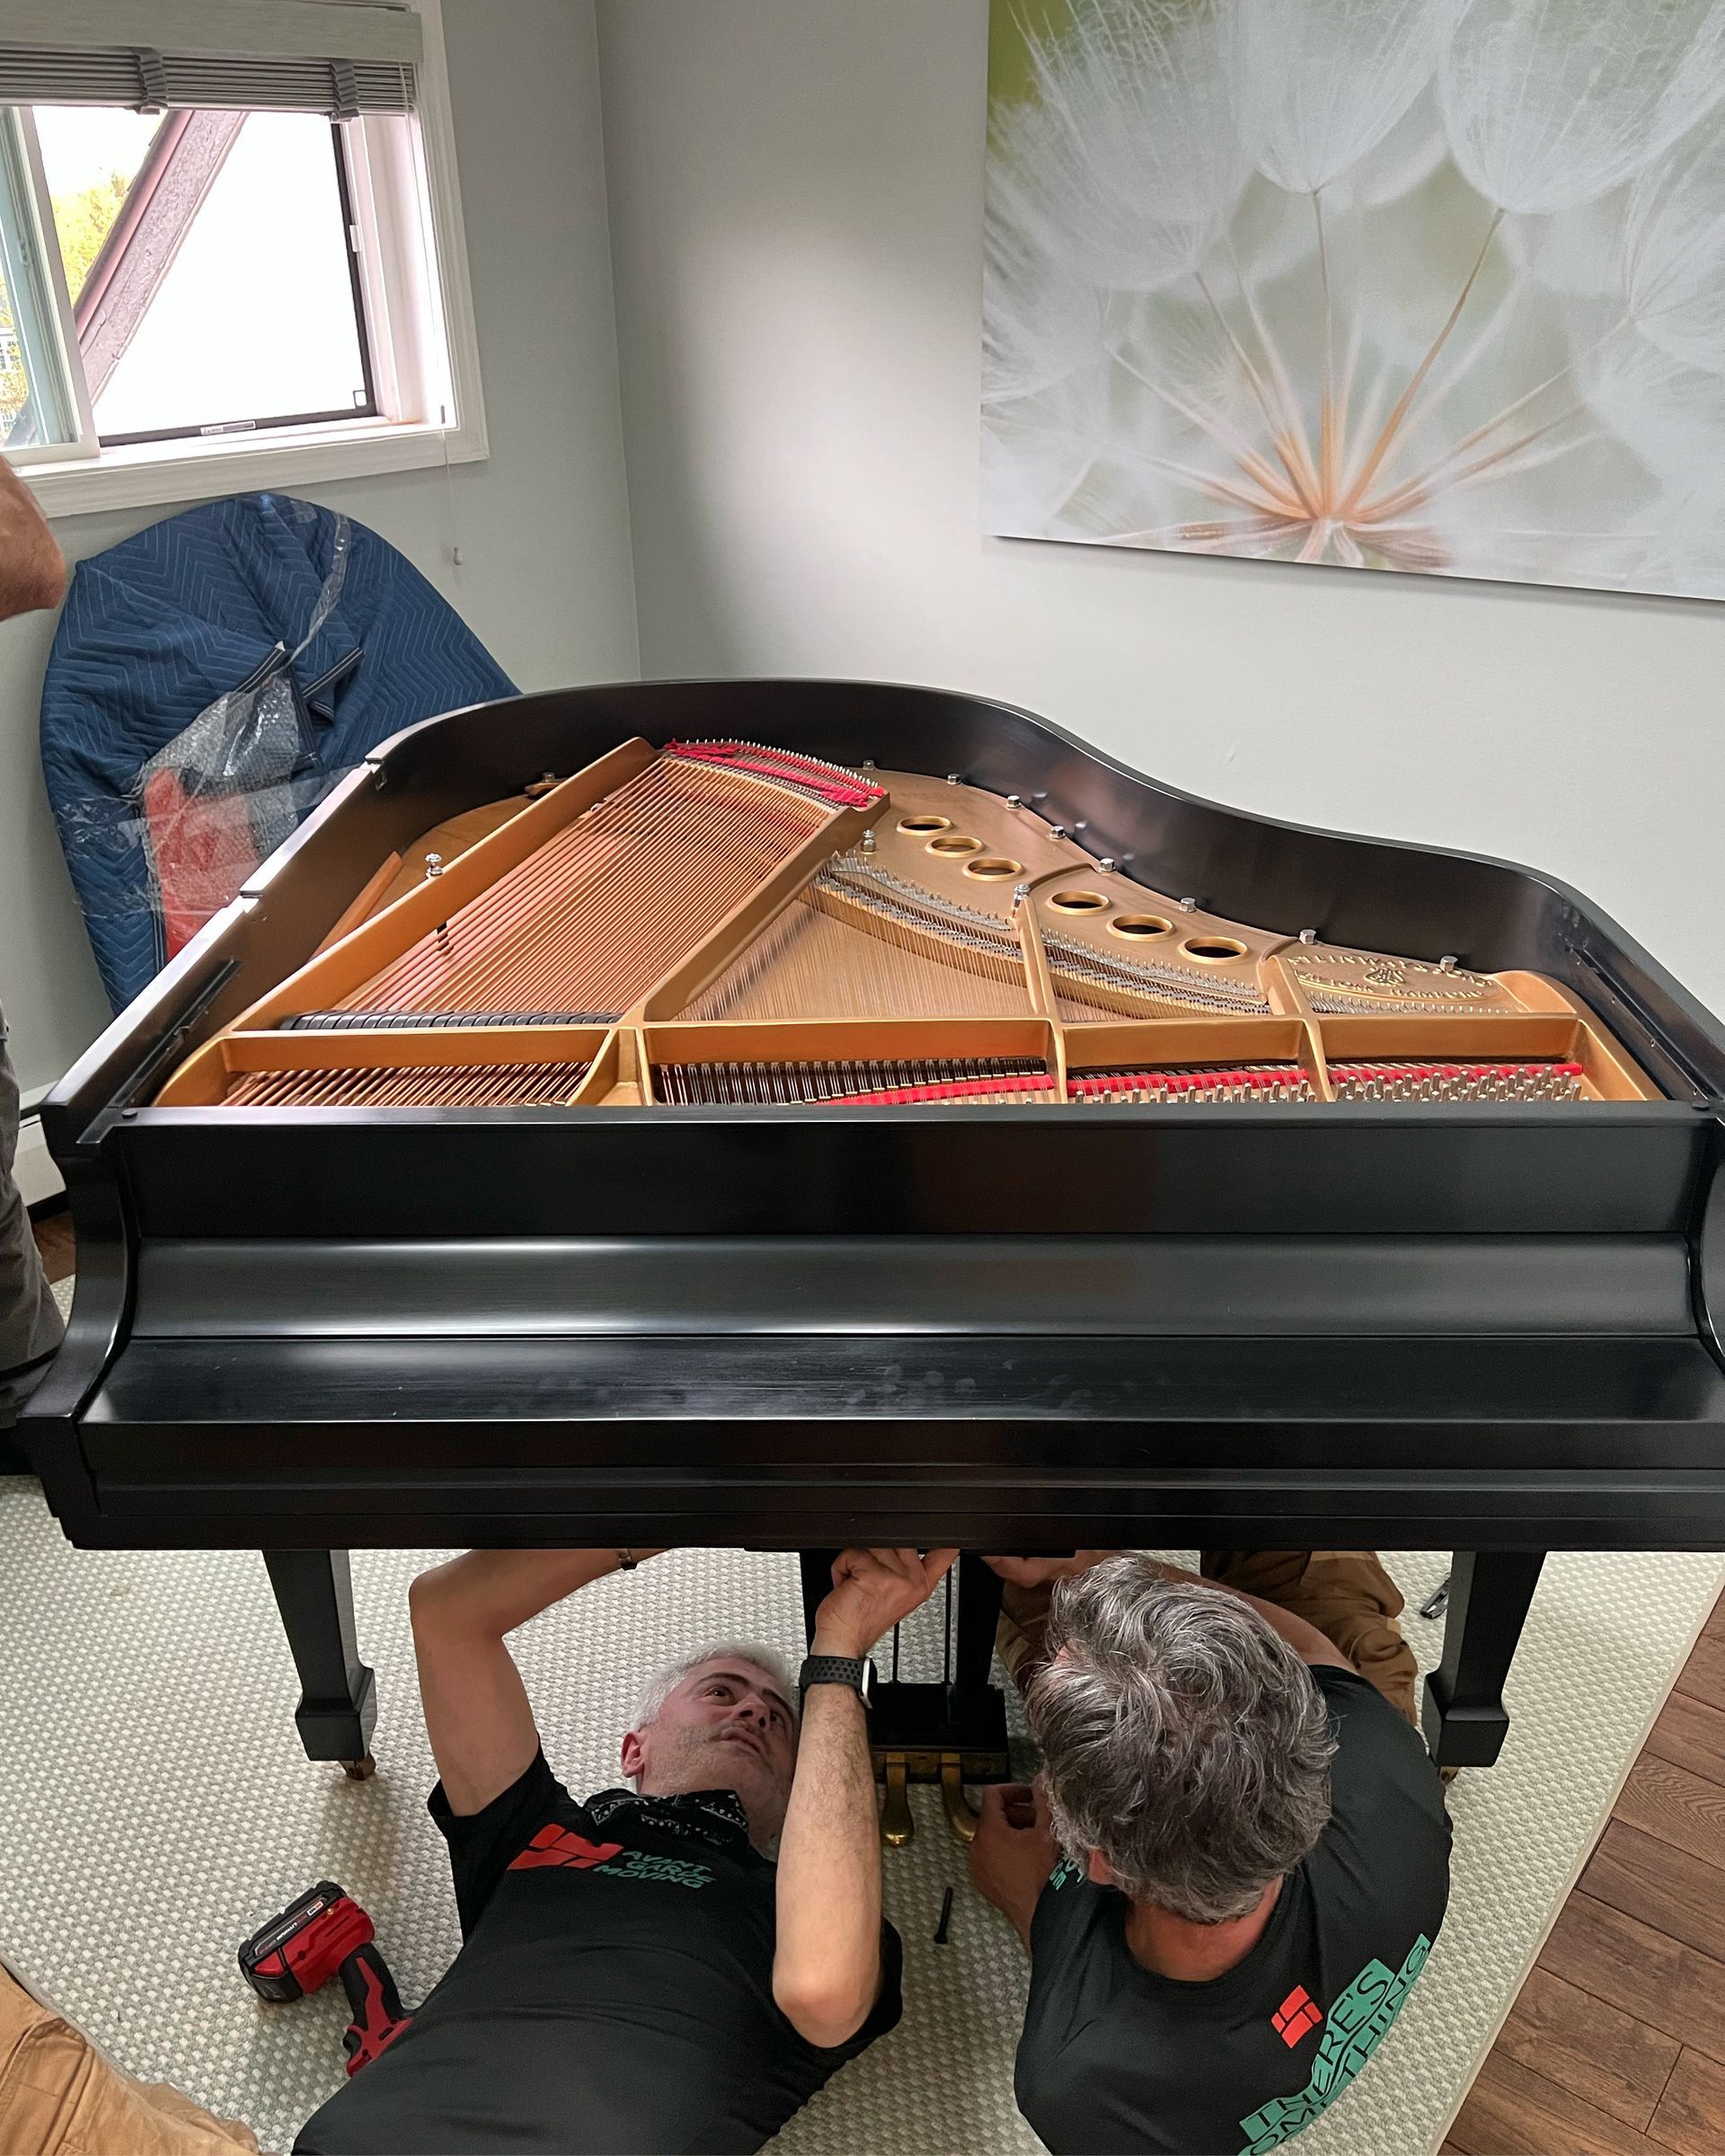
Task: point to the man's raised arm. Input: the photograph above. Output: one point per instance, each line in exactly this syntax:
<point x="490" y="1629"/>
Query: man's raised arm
<point x="827" y="1965"/>
<point x="476" y="1710"/>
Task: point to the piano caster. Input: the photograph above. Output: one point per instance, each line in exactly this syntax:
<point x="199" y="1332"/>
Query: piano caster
<point x="897" y="1825"/>
<point x="358" y="1770"/>
<point x="954" y="1803"/>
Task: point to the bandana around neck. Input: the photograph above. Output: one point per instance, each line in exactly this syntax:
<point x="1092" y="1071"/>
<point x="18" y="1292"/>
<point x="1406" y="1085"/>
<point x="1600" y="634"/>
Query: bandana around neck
<point x="711" y="1816"/>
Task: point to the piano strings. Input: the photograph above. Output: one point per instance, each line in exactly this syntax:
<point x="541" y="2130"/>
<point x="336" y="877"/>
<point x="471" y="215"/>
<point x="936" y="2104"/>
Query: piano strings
<point x="593" y="918"/>
<point x="727" y="923"/>
<point x="442" y="1085"/>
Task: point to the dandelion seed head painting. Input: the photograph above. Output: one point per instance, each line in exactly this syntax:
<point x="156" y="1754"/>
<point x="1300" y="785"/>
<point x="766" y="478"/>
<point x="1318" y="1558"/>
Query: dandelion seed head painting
<point x="1404" y="285"/>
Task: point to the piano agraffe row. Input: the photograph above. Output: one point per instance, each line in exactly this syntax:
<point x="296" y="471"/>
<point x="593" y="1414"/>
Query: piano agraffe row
<point x="717" y="922"/>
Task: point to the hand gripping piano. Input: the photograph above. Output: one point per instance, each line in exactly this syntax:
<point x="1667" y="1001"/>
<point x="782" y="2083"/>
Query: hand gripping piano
<point x="788" y="1114"/>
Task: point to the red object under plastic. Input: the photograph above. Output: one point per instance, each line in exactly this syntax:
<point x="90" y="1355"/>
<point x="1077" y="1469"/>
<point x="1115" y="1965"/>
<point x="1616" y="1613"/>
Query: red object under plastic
<point x="202" y="851"/>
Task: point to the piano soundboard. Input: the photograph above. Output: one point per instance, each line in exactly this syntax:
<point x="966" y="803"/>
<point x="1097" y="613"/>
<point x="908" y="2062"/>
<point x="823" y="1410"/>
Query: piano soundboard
<point x="721" y="923"/>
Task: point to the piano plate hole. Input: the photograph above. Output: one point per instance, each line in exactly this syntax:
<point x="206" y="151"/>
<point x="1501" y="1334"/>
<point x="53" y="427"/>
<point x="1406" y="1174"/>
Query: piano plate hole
<point x="954" y="842"/>
<point x="992" y="867"/>
<point x="1078" y="902"/>
<point x="1215" y="951"/>
<point x="919" y="826"/>
<point x="1135" y="927"/>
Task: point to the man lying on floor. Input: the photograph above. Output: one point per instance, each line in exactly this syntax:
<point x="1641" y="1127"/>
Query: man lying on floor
<point x="1236" y="1858"/>
<point x="637" y="1974"/>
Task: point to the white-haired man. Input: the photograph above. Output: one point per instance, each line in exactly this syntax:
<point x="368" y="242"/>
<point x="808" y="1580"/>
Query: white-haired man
<point x="636" y="1973"/>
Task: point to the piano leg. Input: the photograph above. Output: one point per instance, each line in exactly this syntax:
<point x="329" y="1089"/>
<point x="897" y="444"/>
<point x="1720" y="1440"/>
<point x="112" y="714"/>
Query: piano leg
<point x="337" y="1706"/>
<point x="1490" y="1594"/>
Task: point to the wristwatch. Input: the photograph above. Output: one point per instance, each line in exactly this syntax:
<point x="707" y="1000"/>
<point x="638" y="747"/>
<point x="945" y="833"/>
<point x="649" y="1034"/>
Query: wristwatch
<point x="858" y="1672"/>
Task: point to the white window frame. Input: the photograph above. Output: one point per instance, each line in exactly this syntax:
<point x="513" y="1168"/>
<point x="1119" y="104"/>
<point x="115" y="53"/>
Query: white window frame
<point x="413" y="251"/>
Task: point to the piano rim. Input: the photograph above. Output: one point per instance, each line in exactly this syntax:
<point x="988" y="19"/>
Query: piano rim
<point x="1685" y="1054"/>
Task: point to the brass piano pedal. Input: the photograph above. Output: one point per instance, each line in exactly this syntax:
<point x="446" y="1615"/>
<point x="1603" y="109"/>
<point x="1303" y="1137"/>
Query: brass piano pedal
<point x="954" y="1803"/>
<point x="897" y="1825"/>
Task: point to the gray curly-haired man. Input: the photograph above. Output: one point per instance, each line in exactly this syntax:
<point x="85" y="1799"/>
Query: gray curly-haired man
<point x="1236" y="1858"/>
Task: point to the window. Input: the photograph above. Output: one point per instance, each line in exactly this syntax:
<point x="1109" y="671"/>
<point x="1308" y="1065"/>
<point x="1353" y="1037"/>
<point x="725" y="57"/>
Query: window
<point x="201" y="296"/>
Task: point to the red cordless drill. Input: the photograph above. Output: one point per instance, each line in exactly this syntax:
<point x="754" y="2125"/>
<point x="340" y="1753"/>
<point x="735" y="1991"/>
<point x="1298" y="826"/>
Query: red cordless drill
<point x="325" y="1933"/>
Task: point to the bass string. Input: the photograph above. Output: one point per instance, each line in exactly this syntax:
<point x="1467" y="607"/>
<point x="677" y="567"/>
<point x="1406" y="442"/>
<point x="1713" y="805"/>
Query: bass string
<point x="814" y="963"/>
<point x="610" y="903"/>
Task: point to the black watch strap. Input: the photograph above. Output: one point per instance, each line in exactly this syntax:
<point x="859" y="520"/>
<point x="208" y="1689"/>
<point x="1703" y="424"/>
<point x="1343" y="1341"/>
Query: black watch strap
<point x="857" y="1673"/>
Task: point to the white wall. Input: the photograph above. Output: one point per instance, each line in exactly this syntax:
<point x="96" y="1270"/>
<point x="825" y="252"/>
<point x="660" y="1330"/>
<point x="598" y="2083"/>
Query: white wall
<point x="796" y="192"/>
<point x="542" y="523"/>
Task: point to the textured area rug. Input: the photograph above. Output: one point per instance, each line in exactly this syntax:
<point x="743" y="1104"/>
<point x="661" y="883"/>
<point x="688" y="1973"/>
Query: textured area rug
<point x="154" y="1807"/>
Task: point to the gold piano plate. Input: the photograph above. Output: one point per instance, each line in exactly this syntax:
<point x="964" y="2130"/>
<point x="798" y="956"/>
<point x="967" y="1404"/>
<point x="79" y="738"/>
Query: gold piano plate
<point x="725" y="924"/>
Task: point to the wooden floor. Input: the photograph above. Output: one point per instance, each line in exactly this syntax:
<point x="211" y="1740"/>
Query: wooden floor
<point x="54" y="1242"/>
<point x="1617" y="2045"/>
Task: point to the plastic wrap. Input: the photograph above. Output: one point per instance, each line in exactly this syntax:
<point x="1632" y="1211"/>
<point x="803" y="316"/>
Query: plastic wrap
<point x="217" y="799"/>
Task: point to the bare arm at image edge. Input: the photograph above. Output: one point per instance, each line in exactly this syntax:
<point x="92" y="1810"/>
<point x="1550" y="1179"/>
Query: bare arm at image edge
<point x="33" y="570"/>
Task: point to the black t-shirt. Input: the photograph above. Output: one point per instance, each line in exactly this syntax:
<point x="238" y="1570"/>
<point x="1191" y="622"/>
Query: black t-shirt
<point x="1115" y="2058"/>
<point x="614" y="1993"/>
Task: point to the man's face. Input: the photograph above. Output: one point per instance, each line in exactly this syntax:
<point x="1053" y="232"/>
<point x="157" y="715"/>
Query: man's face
<point x="727" y="1726"/>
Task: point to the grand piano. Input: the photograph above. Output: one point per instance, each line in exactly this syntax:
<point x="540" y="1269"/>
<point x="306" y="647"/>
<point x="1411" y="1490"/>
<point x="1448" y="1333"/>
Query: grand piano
<point x="788" y="1114"/>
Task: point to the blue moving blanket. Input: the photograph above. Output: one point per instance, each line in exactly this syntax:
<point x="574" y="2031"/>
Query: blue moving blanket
<point x="210" y="680"/>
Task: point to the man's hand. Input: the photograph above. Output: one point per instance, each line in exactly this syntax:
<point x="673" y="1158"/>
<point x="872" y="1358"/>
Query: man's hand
<point x="1041" y="1572"/>
<point x="1013" y="1853"/>
<point x="32" y="571"/>
<point x="872" y="1591"/>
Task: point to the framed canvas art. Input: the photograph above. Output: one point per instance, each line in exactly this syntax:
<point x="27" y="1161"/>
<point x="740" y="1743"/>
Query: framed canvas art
<point x="1420" y="286"/>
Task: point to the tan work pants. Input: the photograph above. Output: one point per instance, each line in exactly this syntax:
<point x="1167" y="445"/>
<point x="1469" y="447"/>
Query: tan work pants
<point x="59" y="2097"/>
<point x="1346" y="1593"/>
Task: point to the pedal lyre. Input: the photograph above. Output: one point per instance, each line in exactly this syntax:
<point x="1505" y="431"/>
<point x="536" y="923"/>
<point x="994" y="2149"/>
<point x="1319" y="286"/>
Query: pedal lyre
<point x="897" y="1825"/>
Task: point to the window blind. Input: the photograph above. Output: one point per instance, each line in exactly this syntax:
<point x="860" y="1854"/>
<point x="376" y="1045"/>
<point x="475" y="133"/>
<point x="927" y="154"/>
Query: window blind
<point x="283" y="55"/>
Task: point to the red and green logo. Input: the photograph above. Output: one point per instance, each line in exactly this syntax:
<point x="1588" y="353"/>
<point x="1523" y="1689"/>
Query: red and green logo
<point x="1357" y="2023"/>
